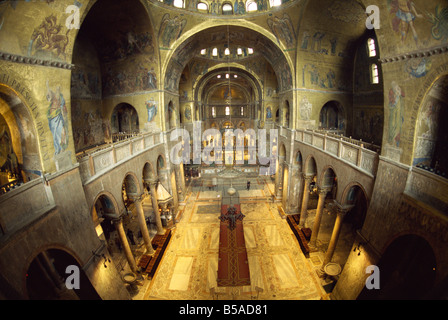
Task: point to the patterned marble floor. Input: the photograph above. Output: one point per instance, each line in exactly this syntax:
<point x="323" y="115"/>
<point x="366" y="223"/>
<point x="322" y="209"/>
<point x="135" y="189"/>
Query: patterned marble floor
<point x="277" y="266"/>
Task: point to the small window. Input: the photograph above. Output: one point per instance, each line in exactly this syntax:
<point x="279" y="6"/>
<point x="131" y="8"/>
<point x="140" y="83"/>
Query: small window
<point x="213" y="112"/>
<point x="227" y="76"/>
<point x="227" y="51"/>
<point x="250" y="50"/>
<point x="227" y="8"/>
<point x="202" y="6"/>
<point x="203" y="52"/>
<point x="251" y="6"/>
<point x="178" y="3"/>
<point x="227" y="111"/>
<point x="239" y="51"/>
<point x="275" y="3"/>
<point x="372" y="47"/>
<point x="242" y="111"/>
<point x="215" y="52"/>
<point x="375" y="74"/>
<point x="218" y="76"/>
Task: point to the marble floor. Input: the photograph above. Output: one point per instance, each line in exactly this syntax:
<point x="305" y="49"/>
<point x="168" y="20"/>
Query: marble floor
<point x="278" y="268"/>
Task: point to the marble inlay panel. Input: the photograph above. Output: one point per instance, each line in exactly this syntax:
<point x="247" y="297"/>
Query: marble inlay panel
<point x="285" y="271"/>
<point x="181" y="274"/>
<point x="273" y="236"/>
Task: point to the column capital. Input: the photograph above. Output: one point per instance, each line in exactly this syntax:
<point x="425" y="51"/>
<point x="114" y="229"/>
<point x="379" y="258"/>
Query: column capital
<point x="135" y="196"/>
<point x="307" y="177"/>
<point x="340" y="209"/>
<point x="152" y="181"/>
<point x="323" y="190"/>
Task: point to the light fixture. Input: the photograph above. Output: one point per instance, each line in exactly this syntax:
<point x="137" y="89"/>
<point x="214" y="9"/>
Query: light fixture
<point x="358" y="248"/>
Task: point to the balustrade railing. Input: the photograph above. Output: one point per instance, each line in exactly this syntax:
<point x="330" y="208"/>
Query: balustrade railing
<point x="104" y="157"/>
<point x="347" y="149"/>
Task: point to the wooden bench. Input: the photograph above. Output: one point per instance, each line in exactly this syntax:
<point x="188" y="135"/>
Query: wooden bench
<point x="159" y="243"/>
<point x="300" y="236"/>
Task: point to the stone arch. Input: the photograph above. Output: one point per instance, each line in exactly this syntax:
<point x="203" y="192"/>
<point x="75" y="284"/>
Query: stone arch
<point x="354" y="195"/>
<point x="124" y="119"/>
<point x="332" y="116"/>
<point x="48" y="284"/>
<point x="21" y="154"/>
<point x="185" y="46"/>
<point x="310" y="167"/>
<point x="161" y="162"/>
<point x="108" y="201"/>
<point x="148" y="175"/>
<point x="346" y="193"/>
<point x="148" y="171"/>
<point x="430" y="80"/>
<point x="328" y="177"/>
<point x="298" y="159"/>
<point x="286" y="114"/>
<point x="131" y="183"/>
<point x="431" y="136"/>
<point x="282" y="150"/>
<point x="408" y="268"/>
<point x="172" y="115"/>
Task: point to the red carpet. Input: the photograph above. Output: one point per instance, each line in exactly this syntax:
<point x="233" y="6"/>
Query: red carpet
<point x="233" y="266"/>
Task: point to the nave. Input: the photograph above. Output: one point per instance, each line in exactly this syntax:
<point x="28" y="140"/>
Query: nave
<point x="278" y="268"/>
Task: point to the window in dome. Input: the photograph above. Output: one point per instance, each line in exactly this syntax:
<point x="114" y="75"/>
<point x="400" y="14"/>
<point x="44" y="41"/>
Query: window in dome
<point x="251" y="6"/>
<point x="227" y="8"/>
<point x="372" y="47"/>
<point x="375" y="75"/>
<point x="202" y="6"/>
<point x="178" y="3"/>
<point x="275" y="3"/>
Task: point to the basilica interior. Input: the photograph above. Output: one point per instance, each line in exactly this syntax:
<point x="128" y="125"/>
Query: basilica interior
<point x="223" y="150"/>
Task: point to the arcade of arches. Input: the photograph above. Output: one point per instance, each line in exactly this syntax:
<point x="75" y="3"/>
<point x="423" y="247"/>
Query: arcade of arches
<point x="124" y="143"/>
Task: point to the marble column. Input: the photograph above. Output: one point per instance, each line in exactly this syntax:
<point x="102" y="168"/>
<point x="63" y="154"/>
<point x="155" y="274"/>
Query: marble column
<point x="155" y="205"/>
<point x="306" y="195"/>
<point x="180" y="182"/>
<point x="294" y="187"/>
<point x="279" y="176"/>
<point x="125" y="244"/>
<point x="137" y="199"/>
<point x="341" y="212"/>
<point x="320" y="208"/>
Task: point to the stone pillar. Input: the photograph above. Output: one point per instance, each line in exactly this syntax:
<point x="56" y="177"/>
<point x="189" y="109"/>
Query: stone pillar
<point x="286" y="186"/>
<point x="155" y="206"/>
<point x="341" y="212"/>
<point x="279" y="176"/>
<point x="124" y="242"/>
<point x="320" y="208"/>
<point x="306" y="194"/>
<point x="294" y="186"/>
<point x="137" y="199"/>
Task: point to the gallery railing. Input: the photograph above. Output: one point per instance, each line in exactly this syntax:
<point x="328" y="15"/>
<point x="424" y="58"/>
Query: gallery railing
<point x="16" y="209"/>
<point x="349" y="150"/>
<point x="104" y="157"/>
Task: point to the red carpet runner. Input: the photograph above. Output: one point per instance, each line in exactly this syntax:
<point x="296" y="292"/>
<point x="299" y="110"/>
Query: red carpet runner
<point x="233" y="266"/>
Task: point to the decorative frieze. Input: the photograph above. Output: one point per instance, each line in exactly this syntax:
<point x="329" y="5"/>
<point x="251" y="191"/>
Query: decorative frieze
<point x="35" y="61"/>
<point x="416" y="54"/>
